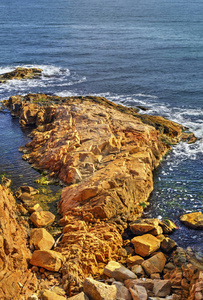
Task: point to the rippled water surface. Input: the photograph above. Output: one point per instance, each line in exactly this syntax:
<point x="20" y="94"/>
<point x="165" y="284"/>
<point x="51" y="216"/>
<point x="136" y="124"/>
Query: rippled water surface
<point x="145" y="52"/>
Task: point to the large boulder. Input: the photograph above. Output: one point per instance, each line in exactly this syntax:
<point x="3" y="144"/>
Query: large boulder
<point x="47" y="259"/>
<point x="41" y="239"/>
<point x="42" y="218"/>
<point x="193" y="220"/>
<point x="145" y="245"/>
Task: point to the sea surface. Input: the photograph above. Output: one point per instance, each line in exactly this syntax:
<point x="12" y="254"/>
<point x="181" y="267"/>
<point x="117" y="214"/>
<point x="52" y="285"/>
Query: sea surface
<point x="133" y="52"/>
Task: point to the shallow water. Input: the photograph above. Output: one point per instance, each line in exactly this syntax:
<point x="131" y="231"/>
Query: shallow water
<point x="132" y="52"/>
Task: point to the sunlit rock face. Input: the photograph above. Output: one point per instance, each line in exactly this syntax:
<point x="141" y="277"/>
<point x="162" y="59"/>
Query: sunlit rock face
<point x="14" y="253"/>
<point x="104" y="152"/>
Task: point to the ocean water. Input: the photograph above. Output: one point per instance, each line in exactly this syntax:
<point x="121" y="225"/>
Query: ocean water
<point x="133" y="52"/>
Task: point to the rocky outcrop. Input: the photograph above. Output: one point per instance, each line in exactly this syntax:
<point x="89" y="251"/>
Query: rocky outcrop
<point x="105" y="155"/>
<point x="21" y="73"/>
<point x="16" y="281"/>
<point x="103" y="151"/>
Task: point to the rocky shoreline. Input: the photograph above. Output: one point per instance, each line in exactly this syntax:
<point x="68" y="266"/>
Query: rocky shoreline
<point x="104" y="154"/>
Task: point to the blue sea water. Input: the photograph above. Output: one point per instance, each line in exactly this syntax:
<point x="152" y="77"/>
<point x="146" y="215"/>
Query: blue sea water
<point x="134" y="52"/>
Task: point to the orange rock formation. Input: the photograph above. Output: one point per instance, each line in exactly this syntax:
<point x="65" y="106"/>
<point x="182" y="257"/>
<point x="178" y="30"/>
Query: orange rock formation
<point x="105" y="155"/>
<point x="16" y="281"/>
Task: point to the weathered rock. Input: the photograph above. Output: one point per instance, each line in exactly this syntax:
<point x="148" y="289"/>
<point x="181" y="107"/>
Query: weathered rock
<point x="154" y="264"/>
<point x="47" y="259"/>
<point x="91" y="247"/>
<point x="42" y="218"/>
<point x="144" y="226"/>
<point x="138" y="292"/>
<point x="162" y="288"/>
<point x="14" y="252"/>
<point x="118" y="271"/>
<point x="21" y="73"/>
<point x="35" y="208"/>
<point x="134" y="260"/>
<point x="80" y="296"/>
<point x="148" y="284"/>
<point x="29" y="189"/>
<point x="49" y="295"/>
<point x="146" y="244"/>
<point x="196" y="292"/>
<point x="138" y="270"/>
<point x="167" y="245"/>
<point x="122" y="292"/>
<point x="41" y="239"/>
<point x="168" y="226"/>
<point x="99" y="291"/>
<point x="155" y="276"/>
<point x="6" y="182"/>
<point x="193" y="220"/>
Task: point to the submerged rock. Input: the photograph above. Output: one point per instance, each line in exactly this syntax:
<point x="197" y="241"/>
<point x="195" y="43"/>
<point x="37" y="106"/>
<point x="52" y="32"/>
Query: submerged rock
<point x="21" y="73"/>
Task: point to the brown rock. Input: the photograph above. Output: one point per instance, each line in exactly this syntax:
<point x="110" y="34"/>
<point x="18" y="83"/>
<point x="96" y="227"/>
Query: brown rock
<point x="134" y="260"/>
<point x="193" y="220"/>
<point x="168" y="226"/>
<point x="148" y="284"/>
<point x="162" y="288"/>
<point x="80" y="296"/>
<point x="30" y="190"/>
<point x="146" y="226"/>
<point x="41" y="239"/>
<point x="154" y="264"/>
<point x="138" y="293"/>
<point x="167" y="245"/>
<point x="49" y="295"/>
<point x="155" y="276"/>
<point x="119" y="272"/>
<point x="99" y="291"/>
<point x="42" y="218"/>
<point x="47" y="259"/>
<point x="122" y="292"/>
<point x="138" y="270"/>
<point x="145" y="245"/>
